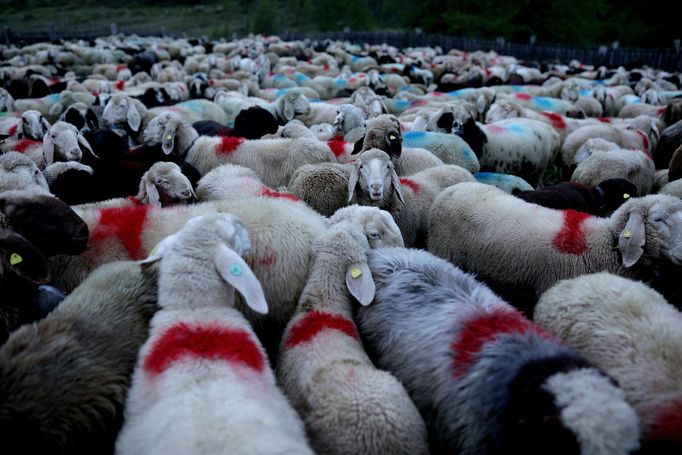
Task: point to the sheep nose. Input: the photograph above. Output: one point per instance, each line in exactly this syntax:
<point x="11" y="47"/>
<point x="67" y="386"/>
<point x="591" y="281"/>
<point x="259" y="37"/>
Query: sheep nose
<point x="375" y="187"/>
<point x="186" y="193"/>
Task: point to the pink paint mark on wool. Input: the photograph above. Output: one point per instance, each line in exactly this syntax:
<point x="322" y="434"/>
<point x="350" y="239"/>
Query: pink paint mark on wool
<point x="523" y="96"/>
<point x="495" y="129"/>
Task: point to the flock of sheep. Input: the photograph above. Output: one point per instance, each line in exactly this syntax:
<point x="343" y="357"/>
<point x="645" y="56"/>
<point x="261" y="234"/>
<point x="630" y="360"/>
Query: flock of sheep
<point x="268" y="247"/>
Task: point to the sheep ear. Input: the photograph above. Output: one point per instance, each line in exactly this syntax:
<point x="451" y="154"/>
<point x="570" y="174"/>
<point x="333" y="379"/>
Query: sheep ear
<point x="44" y="123"/>
<point x="9" y="104"/>
<point x="654" y="130"/>
<point x="158" y="252"/>
<point x="91" y="120"/>
<point x="480" y="104"/>
<point x="56" y="109"/>
<point x="152" y="193"/>
<point x="238" y="274"/>
<point x="23" y="257"/>
<point x="360" y="283"/>
<point x="632" y="239"/>
<point x="133" y="117"/>
<point x="48" y="149"/>
<point x="395" y="181"/>
<point x="357" y="148"/>
<point x="288" y="111"/>
<point x="353" y="181"/>
<point x="84" y="142"/>
<point x="168" y="140"/>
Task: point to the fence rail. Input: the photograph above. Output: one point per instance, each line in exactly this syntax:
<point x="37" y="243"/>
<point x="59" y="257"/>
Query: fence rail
<point x="669" y="59"/>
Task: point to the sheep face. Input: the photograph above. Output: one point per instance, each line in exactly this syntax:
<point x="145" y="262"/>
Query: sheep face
<point x="6" y="101"/>
<point x="348" y="118"/>
<point x="33" y="125"/>
<point x="64" y="141"/>
<point x="165" y="185"/>
<point x="162" y="129"/>
<point x="81" y="116"/>
<point x="378" y="225"/>
<point x="651" y="225"/>
<point x="376" y="178"/>
<point x="121" y="110"/>
<point x="292" y="104"/>
<point x="502" y="110"/>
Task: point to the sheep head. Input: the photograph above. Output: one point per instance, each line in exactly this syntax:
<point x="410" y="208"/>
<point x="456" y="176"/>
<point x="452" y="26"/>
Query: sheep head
<point x="64" y="141"/>
<point x="383" y="133"/>
<point x="164" y="185"/>
<point x="373" y="172"/>
<point x="122" y="109"/>
<point x="33" y="125"/>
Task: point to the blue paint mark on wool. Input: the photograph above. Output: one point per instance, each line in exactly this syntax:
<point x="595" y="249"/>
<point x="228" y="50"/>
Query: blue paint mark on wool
<point x="516" y="128"/>
<point x="340" y="82"/>
<point x="300" y="77"/>
<point x="543" y="102"/>
<point x="584" y="92"/>
<point x="461" y="92"/>
<point x="414" y="136"/>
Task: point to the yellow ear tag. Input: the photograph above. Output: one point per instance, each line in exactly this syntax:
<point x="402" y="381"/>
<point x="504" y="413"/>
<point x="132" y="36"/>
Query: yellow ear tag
<point x="627" y="233"/>
<point x="169" y="137"/>
<point x="154" y="250"/>
<point x="626" y="196"/>
<point x="391" y="137"/>
<point x="15" y="259"/>
<point x="355" y="273"/>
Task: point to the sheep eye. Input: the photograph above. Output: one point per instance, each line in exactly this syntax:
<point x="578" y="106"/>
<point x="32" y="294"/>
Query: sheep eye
<point x="374" y="235"/>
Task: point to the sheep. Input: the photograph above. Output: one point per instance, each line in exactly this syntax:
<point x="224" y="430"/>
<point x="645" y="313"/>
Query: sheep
<point x="485" y="378"/>
<point x="6" y="101"/>
<point x="69" y="373"/>
<point x="41" y="105"/>
<point x="631" y="332"/>
<point x="19" y="172"/>
<point x="32" y="227"/>
<point x="673" y="189"/>
<point x="233" y="182"/>
<point x="123" y="110"/>
<point x="31" y="125"/>
<point x="174" y="134"/>
<point x="347" y="405"/>
<point x="68" y="98"/>
<point x="675" y="165"/>
<point x="671" y="140"/>
<point x="62" y="141"/>
<point x="165" y="185"/>
<point x="202" y="359"/>
<point x="599" y="165"/>
<point x="274" y="160"/>
<point x="349" y="122"/>
<point x="81" y="116"/>
<point x="600" y="200"/>
<point x="505" y="182"/>
<point x="634" y="139"/>
<point x="522" y="147"/>
<point x="384" y="133"/>
<point x="191" y="111"/>
<point x="540" y="103"/>
<point x="482" y="229"/>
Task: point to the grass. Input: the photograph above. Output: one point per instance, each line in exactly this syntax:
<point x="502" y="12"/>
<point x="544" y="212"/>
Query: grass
<point x="214" y="19"/>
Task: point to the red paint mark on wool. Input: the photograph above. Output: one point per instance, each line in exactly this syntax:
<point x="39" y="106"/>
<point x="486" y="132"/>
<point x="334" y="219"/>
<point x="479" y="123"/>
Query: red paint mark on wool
<point x="12" y="130"/>
<point x="644" y="139"/>
<point x="228" y="144"/>
<point x="22" y="145"/>
<point x="337" y="147"/>
<point x="125" y="223"/>
<point x="268" y="258"/>
<point x="604" y="119"/>
<point x="316" y="322"/>
<point x="483" y="328"/>
<point x="325" y="67"/>
<point x="119" y="85"/>
<point x="437" y="94"/>
<point x="205" y="342"/>
<point x="524" y="96"/>
<point x="419" y="103"/>
<point x="556" y="119"/>
<point x="411" y="184"/>
<point x="668" y="425"/>
<point x="495" y="129"/>
<point x="571" y="238"/>
<point x="267" y="192"/>
<point x="660" y="111"/>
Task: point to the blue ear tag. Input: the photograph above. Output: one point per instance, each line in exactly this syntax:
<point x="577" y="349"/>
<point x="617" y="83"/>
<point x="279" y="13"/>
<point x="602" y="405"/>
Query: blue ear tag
<point x="235" y="270"/>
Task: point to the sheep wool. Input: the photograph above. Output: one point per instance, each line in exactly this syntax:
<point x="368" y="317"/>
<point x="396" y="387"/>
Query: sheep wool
<point x="202" y="382"/>
<point x="486" y="379"/>
<point x="628" y="330"/>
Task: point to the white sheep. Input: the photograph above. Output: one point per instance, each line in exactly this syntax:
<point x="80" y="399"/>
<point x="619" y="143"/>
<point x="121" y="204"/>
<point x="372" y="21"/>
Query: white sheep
<point x="233" y="182"/>
<point x="202" y="382"/>
<point x="632" y="137"/>
<point x="191" y="111"/>
<point x="520" y="246"/>
<point x="164" y="185"/>
<point x="175" y="134"/>
<point x="347" y="404"/>
<point x="62" y="140"/>
<point x="6" y="101"/>
<point x="595" y="164"/>
<point x="673" y="188"/>
<point x="630" y="332"/>
<point x="477" y="369"/>
<point x="19" y="172"/>
<point x="30" y="125"/>
<point x="123" y="110"/>
<point x="274" y="160"/>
